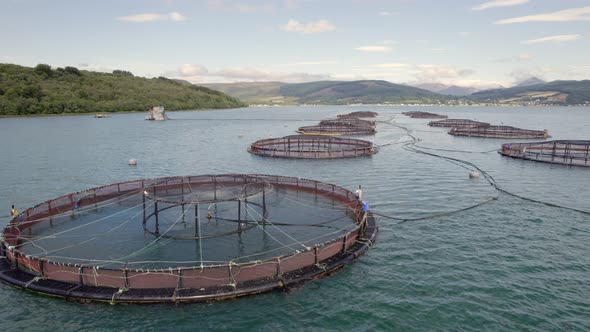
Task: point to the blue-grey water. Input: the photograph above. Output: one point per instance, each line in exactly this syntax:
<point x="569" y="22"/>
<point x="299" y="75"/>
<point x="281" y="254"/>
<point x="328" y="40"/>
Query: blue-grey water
<point x="507" y="265"/>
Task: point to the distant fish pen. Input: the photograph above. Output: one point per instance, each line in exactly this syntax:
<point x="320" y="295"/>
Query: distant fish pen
<point x="184" y="239"/>
<point x="424" y="115"/>
<point x="457" y="123"/>
<point x="360" y="114"/>
<point x="312" y="147"/>
<point x="348" y="122"/>
<point x="563" y="152"/>
<point x="337" y="129"/>
<point x="499" y="132"/>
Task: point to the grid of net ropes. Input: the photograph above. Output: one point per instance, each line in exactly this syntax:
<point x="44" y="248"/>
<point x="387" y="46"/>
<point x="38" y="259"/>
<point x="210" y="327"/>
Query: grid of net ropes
<point x="337" y="128"/>
<point x="312" y="147"/>
<point x="564" y="152"/>
<point x="457" y="123"/>
<point x="499" y="132"/>
<point x="424" y="115"/>
<point x="209" y="235"/>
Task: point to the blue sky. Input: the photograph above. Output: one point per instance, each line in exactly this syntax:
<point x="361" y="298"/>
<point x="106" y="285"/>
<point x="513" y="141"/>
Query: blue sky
<point x="465" y="42"/>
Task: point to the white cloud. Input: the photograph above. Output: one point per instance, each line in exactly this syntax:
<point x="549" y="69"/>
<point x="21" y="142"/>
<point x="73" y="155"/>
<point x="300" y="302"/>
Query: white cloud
<point x="308" y="28"/>
<point x="387" y="42"/>
<point x="308" y="63"/>
<point x="567" y="15"/>
<point x="188" y="70"/>
<point x="150" y="17"/>
<point x="433" y="73"/>
<point x="374" y="49"/>
<point x="525" y="57"/>
<point x="385" y="13"/>
<point x="552" y="39"/>
<point x="438" y="49"/>
<point x="499" y="3"/>
<point x="464" y="33"/>
<point x="391" y="65"/>
<point x="198" y="73"/>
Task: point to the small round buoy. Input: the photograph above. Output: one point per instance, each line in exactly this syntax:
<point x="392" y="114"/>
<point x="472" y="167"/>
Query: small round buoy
<point x="132" y="162"/>
<point x="474" y="174"/>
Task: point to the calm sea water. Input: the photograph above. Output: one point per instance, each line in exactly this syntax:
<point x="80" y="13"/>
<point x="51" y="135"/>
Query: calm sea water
<point x="506" y="265"/>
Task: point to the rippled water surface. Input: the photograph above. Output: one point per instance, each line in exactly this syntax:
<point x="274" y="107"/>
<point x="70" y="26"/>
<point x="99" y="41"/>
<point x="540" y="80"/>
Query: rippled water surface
<point x="506" y="265"/>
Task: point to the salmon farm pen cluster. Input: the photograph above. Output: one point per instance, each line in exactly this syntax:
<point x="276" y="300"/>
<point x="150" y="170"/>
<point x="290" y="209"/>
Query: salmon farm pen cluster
<point x="563" y="152"/>
<point x="457" y="123"/>
<point x="499" y="132"/>
<point x="312" y="147"/>
<point x="185" y="239"/>
<point x="359" y="114"/>
<point x="424" y="115"/>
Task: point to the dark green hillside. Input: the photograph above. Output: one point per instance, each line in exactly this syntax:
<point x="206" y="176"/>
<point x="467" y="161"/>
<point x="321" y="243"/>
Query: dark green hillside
<point x="43" y="90"/>
<point x="361" y="92"/>
<point x="557" y="92"/>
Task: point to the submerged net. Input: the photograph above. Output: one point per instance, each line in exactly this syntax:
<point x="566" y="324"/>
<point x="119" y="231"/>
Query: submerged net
<point x="199" y="234"/>
<point x="564" y="152"/>
<point x="312" y="147"/>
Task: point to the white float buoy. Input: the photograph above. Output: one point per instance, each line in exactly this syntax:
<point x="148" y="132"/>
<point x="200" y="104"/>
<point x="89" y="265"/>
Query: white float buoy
<point x="474" y="175"/>
<point x="132" y="162"/>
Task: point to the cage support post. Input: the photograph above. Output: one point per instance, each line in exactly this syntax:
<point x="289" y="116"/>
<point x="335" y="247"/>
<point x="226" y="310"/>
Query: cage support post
<point x="239" y="215"/>
<point x="197" y="226"/>
<point x="157" y="219"/>
<point x="143" y="199"/>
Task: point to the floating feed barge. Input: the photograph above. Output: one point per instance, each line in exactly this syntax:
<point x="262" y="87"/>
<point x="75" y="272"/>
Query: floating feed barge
<point x="424" y="115"/>
<point x="563" y="152"/>
<point x="457" y="123"/>
<point x="312" y="147"/>
<point x="185" y="239"/>
<point x="336" y="129"/>
<point x="499" y="132"/>
<point x="360" y="114"/>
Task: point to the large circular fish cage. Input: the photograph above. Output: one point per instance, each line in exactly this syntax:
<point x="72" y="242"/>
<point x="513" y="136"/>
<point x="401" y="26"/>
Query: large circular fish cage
<point x="184" y="239"/>
<point x="348" y="122"/>
<point x="562" y="152"/>
<point x="312" y="147"/>
<point x="424" y="115"/>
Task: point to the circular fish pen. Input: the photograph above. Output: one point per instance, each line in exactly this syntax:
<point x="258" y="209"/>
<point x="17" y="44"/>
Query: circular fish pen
<point x="457" y="123"/>
<point x="312" y="147"/>
<point x="424" y="115"/>
<point x="184" y="239"/>
<point x="359" y="114"/>
<point x="499" y="132"/>
<point x="348" y="122"/>
<point x="337" y="129"/>
<point x="562" y="152"/>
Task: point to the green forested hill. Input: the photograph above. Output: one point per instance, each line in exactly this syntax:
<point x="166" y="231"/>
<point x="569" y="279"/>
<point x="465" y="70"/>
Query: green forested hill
<point x="556" y="92"/>
<point x="43" y="90"/>
<point x="329" y="92"/>
<point x="361" y="92"/>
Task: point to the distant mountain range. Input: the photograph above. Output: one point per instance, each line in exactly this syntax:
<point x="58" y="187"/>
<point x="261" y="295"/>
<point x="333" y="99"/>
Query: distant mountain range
<point x="328" y="92"/>
<point x="450" y="90"/>
<point x="556" y="92"/>
<point x="532" y="91"/>
<point x="531" y="81"/>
